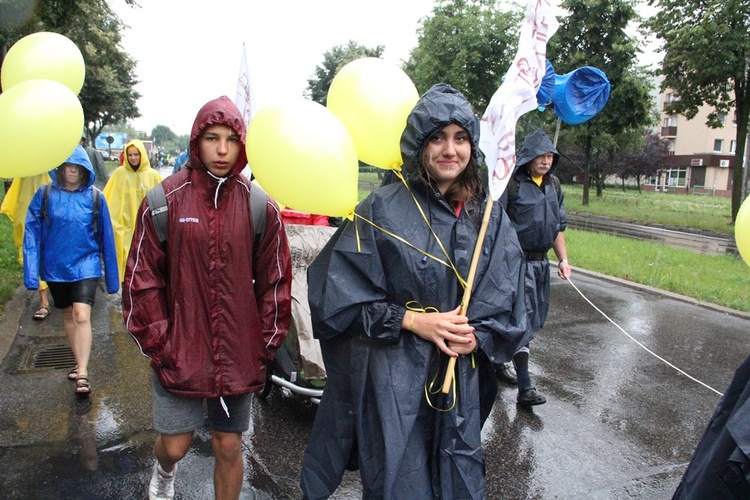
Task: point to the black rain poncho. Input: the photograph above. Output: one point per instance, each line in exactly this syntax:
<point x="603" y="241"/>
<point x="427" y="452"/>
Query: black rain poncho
<point x="374" y="414"/>
<point x="720" y="466"/>
<point x="538" y="214"/>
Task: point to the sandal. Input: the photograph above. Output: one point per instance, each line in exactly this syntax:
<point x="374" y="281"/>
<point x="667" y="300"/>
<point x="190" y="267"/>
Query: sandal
<point x="41" y="313"/>
<point x="82" y="386"/>
<point x="73" y="373"/>
<point x="530" y="397"/>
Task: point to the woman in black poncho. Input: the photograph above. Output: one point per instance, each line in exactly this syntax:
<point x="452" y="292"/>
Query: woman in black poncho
<point x="406" y="252"/>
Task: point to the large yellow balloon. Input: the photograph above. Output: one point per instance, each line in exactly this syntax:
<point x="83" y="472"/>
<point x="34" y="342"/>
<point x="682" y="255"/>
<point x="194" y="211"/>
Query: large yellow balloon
<point x="742" y="230"/>
<point x="44" y="56"/>
<point x="373" y="98"/>
<point x="40" y="126"/>
<point x="303" y="157"/>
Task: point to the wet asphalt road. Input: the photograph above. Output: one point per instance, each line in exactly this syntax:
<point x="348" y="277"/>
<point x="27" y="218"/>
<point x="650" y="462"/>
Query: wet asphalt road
<point x="619" y="423"/>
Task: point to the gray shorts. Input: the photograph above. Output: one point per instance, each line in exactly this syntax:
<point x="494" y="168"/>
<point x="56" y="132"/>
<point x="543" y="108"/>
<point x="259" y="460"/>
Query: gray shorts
<point x="178" y="415"/>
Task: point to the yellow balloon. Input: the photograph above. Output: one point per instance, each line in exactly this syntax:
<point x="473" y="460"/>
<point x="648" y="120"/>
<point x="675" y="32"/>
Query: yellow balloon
<point x="41" y="123"/>
<point x="373" y="98"/>
<point x="742" y="230"/>
<point x="304" y="158"/>
<point x="44" y="56"/>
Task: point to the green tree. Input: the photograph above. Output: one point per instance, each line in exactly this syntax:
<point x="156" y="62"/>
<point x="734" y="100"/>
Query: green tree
<point x="163" y="135"/>
<point x="594" y="34"/>
<point x="333" y="61"/>
<point x="469" y="44"/>
<point x="108" y="95"/>
<point x="707" y="61"/>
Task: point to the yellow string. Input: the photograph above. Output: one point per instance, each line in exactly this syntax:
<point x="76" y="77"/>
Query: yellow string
<point x="448" y="262"/>
<point x="427" y="221"/>
<point x="431" y="387"/>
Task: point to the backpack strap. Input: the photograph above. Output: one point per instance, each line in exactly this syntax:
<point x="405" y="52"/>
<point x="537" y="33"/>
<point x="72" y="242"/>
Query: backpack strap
<point x="257" y="203"/>
<point x="96" y="194"/>
<point x="159" y="211"/>
<point x="157" y="204"/>
<point x="45" y="200"/>
<point x="556" y="182"/>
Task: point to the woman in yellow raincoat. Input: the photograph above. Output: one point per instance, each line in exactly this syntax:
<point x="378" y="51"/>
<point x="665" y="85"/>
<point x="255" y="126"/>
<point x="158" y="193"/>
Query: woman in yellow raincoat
<point x="124" y="192"/>
<point x="15" y="204"/>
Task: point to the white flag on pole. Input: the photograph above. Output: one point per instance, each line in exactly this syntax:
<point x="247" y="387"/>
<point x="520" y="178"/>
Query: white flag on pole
<point x="517" y="94"/>
<point x="242" y="98"/>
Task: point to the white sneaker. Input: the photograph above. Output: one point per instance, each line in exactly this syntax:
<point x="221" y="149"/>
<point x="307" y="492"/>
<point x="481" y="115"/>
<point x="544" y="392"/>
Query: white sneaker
<point x="161" y="486"/>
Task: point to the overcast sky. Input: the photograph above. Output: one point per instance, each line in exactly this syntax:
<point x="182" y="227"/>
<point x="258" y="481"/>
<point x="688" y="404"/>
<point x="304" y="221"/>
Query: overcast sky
<point x="189" y="51"/>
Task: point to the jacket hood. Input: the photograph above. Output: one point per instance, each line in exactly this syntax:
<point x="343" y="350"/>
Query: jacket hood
<point x="536" y="144"/>
<point x="438" y="107"/>
<point x="81" y="158"/>
<point x="221" y="111"/>
<point x="145" y="162"/>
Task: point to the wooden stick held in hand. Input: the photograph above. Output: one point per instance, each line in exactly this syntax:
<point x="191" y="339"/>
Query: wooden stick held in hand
<point x="469" y="285"/>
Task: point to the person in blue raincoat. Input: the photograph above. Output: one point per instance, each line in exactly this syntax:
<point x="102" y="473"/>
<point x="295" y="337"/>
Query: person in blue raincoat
<point x="384" y="297"/>
<point x="62" y="243"/>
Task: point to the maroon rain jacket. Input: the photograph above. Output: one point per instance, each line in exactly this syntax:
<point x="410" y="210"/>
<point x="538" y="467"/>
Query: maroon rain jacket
<point x="208" y="308"/>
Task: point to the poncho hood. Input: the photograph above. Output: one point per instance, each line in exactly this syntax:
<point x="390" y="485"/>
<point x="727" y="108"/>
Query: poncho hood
<point x="219" y="111"/>
<point x="81" y="158"/>
<point x="145" y="162"/>
<point x="536" y="144"/>
<point x="438" y="107"/>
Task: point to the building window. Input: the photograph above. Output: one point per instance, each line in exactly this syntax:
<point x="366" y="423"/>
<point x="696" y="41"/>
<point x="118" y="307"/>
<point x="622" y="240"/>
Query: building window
<point x="732" y="146"/>
<point x="722" y="119"/>
<point x="676" y="177"/>
<point x="670" y="121"/>
<point x="669" y="178"/>
<point x="718" y="144"/>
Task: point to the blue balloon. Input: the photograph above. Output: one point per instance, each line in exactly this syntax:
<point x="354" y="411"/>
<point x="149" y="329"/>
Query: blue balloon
<point x="547" y="88"/>
<point x="580" y="94"/>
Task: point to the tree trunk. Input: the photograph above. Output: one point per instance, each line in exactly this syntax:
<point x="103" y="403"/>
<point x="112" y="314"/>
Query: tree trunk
<point x="587" y="171"/>
<point x="739" y="181"/>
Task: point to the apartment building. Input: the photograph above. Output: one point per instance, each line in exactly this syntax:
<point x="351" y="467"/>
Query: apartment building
<point x="701" y="158"/>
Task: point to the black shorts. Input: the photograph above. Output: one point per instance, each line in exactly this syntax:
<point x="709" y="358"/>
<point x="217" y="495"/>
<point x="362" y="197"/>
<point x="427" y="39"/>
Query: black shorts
<point x="65" y="293"/>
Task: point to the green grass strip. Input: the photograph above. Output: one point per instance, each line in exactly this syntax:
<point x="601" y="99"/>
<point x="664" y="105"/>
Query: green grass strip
<point x="718" y="279"/>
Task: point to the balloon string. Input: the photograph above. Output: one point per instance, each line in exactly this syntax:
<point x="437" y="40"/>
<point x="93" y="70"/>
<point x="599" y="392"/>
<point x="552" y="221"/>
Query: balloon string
<point x="641" y="345"/>
<point x="432" y="387"/>
<point x="447" y="262"/>
<point x="461" y="281"/>
<point x="402" y="240"/>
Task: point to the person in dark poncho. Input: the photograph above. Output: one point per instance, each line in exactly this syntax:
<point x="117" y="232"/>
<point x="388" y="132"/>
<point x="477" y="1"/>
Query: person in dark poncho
<point x="375" y="291"/>
<point x="535" y="203"/>
<point x="720" y="467"/>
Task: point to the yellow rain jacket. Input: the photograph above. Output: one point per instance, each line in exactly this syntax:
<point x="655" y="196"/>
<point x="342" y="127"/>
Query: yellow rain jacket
<point x="16" y="204"/>
<point x="124" y="192"/>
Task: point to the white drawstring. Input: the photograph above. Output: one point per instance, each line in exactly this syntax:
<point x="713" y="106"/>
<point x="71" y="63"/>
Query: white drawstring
<point x="224" y="406"/>
<point x="220" y="180"/>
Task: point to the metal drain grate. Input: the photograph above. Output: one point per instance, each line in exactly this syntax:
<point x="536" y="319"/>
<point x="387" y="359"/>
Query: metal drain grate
<point x="54" y="356"/>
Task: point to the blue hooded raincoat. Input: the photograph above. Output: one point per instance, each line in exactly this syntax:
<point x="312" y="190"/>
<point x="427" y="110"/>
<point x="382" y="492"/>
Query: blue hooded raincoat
<point x="63" y="248"/>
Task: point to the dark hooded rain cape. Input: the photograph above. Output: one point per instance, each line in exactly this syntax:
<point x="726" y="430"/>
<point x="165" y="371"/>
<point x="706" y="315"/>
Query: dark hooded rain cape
<point x="374" y="414"/>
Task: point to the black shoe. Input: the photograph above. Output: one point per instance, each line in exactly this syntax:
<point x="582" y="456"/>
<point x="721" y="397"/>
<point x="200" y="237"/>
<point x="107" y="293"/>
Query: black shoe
<point x="506" y="374"/>
<point x="530" y="397"/>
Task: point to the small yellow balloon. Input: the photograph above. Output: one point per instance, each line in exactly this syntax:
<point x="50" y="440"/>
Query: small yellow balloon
<point x="742" y="230"/>
<point x="304" y="158"/>
<point x="41" y="123"/>
<point x="44" y="56"/>
<point x="373" y="98"/>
